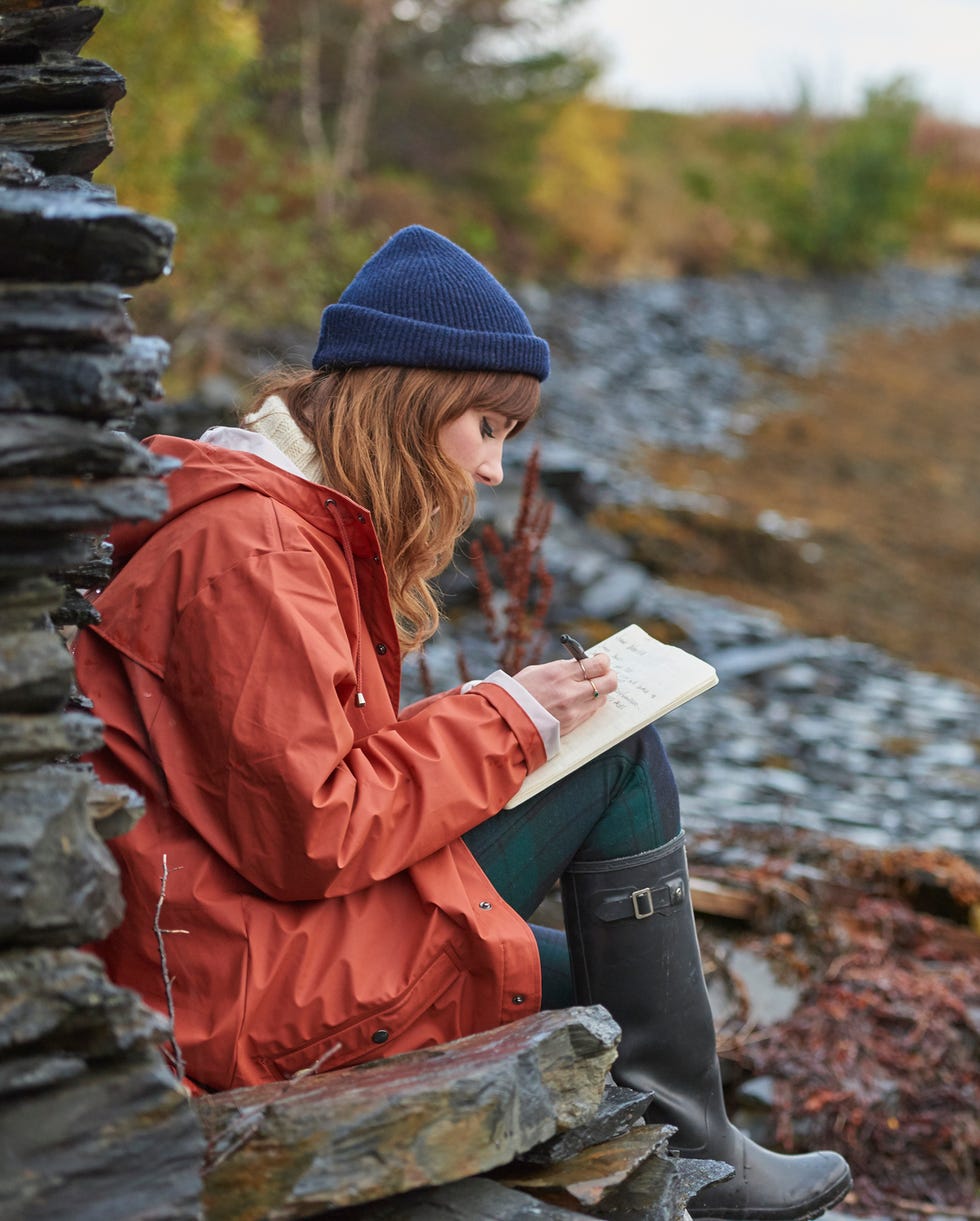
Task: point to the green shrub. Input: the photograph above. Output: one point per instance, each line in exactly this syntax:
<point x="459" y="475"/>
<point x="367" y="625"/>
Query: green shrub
<point x="844" y="194"/>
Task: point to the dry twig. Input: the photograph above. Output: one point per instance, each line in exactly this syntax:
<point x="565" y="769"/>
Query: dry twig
<point x="173" y="1054"/>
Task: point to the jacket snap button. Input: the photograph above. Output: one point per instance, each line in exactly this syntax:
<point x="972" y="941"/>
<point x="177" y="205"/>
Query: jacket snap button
<point x="382" y="649"/>
<point x="380" y="1036"/>
<point x="518" y="999"/>
<point x="486" y="906"/>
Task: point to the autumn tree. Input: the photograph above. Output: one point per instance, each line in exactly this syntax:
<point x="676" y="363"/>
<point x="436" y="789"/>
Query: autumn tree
<point x="581" y="186"/>
<point x="178" y="57"/>
<point x="426" y="107"/>
<point x="286" y="139"/>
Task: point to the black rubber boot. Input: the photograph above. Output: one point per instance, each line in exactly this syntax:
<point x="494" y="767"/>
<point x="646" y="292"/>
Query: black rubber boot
<point x="634" y="949"/>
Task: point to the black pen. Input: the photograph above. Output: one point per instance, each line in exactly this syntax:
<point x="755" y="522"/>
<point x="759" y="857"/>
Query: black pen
<point x="573" y="647"/>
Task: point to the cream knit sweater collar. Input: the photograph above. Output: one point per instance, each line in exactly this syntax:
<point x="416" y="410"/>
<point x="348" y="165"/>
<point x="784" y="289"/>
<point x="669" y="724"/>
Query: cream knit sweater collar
<point x="273" y="421"/>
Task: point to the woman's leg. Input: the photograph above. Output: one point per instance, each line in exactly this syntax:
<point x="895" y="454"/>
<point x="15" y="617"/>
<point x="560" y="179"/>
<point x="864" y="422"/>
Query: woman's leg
<point x="611" y="830"/>
<point x="557" y="991"/>
<point x="622" y="803"/>
<point x="634" y="949"/>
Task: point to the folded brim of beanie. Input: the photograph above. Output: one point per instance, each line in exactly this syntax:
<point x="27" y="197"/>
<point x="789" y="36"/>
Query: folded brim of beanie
<point x="352" y="336"/>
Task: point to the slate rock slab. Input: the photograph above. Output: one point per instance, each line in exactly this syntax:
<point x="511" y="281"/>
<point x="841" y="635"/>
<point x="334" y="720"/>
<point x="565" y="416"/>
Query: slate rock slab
<point x="61" y="27"/>
<point x="60" y="142"/>
<point x="26" y="737"/>
<point x="621" y="1109"/>
<point x="38" y="445"/>
<point x="85" y="384"/>
<point x="429" y="1117"/>
<point x="59" y="82"/>
<point x="36" y="671"/>
<point x="63" y="315"/>
<point x="475" y="1199"/>
<point x="64" y="236"/>
<point x="41" y="504"/>
<point x="25" y="552"/>
<point x="59" y="884"/>
<point x="59" y="1002"/>
<point x="119" y="1142"/>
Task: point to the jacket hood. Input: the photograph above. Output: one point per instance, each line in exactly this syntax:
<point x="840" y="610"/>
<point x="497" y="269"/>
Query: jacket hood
<point x="207" y="472"/>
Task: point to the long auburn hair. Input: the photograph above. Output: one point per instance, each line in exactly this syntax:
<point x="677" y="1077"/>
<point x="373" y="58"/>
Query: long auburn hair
<point x="376" y="431"/>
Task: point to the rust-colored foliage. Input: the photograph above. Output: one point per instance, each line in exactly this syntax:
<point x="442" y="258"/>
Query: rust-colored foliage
<point x="880" y="1058"/>
<point x="880" y="1061"/>
<point x="518" y="570"/>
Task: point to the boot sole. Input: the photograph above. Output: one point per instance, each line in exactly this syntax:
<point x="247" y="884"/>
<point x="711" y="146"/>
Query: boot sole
<point x="815" y="1208"/>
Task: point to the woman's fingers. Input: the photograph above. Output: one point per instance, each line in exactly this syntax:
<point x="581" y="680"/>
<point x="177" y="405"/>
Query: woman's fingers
<point x="598" y="674"/>
<point x="596" y="668"/>
<point x="572" y="691"/>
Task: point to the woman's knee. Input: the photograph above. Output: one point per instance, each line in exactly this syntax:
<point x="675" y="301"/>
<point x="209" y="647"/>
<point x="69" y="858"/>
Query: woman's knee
<point x="641" y="809"/>
<point x="652" y="756"/>
<point x="645" y="748"/>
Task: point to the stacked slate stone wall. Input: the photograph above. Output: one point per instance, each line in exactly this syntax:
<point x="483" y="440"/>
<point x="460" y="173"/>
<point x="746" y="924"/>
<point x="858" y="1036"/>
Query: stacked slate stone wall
<point x="92" y="1124"/>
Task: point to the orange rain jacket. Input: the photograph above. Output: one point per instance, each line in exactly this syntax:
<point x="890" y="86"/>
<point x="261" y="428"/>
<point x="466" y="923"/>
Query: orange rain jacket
<point x="315" y="866"/>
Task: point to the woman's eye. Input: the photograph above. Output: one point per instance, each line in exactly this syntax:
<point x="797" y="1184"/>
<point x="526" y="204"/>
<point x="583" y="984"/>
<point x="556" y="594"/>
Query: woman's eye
<point x="485" y="429"/>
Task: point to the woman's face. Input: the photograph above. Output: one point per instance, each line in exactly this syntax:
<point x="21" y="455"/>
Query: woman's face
<point x="475" y="441"/>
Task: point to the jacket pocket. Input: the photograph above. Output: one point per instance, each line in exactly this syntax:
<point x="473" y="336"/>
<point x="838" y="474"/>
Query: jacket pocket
<point x="385" y="1031"/>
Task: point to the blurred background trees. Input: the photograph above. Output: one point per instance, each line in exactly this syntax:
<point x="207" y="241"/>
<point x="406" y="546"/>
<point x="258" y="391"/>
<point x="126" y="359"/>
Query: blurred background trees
<point x="287" y="138"/>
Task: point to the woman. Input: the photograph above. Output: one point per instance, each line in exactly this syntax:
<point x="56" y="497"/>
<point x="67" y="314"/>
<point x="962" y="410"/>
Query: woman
<point x="345" y="884"/>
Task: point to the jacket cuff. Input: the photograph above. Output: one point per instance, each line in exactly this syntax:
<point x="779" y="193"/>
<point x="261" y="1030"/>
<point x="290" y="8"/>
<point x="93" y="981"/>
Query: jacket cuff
<point x="548" y="727"/>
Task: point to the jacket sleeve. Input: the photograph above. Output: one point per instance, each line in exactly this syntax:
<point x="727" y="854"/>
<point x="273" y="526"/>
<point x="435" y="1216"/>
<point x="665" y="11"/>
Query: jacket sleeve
<point x="260" y="756"/>
<point x="411" y="709"/>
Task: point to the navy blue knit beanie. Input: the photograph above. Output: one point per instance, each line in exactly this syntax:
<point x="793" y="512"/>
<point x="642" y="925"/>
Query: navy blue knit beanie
<point x="423" y="301"/>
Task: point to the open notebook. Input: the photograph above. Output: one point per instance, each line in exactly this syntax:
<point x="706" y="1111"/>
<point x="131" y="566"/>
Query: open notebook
<point x="653" y="679"/>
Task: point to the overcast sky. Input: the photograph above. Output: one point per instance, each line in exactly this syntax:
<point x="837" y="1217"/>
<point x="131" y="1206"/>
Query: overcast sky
<point x="694" y="54"/>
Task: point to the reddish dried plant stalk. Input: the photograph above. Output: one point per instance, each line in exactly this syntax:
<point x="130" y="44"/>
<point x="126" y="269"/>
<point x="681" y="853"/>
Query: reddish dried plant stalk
<point x="425" y="675"/>
<point x="521" y="576"/>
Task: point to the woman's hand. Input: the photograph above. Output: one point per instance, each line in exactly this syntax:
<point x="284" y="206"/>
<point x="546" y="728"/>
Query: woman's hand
<point x="565" y="688"/>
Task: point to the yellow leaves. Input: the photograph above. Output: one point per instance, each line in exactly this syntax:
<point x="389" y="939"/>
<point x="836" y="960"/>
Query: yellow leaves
<point x="179" y="57"/>
<point x="581" y="187"/>
<point x="239" y="28"/>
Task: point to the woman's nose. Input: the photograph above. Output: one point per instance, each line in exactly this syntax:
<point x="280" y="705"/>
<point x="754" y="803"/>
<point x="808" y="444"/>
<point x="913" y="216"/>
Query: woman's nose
<point x="491" y="471"/>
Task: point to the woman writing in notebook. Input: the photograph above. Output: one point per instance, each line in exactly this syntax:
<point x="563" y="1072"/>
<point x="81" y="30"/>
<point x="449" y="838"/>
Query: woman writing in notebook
<point x="347" y="874"/>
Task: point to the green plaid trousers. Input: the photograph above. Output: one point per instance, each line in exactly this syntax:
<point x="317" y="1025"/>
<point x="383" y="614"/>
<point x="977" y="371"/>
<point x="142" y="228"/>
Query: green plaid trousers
<point x="622" y="803"/>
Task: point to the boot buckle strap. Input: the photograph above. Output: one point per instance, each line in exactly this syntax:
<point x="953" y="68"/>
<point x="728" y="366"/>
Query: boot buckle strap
<point x="642" y="903"/>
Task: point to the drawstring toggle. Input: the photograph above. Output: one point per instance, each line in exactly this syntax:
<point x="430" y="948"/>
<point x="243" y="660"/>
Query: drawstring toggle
<point x="331" y="504"/>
